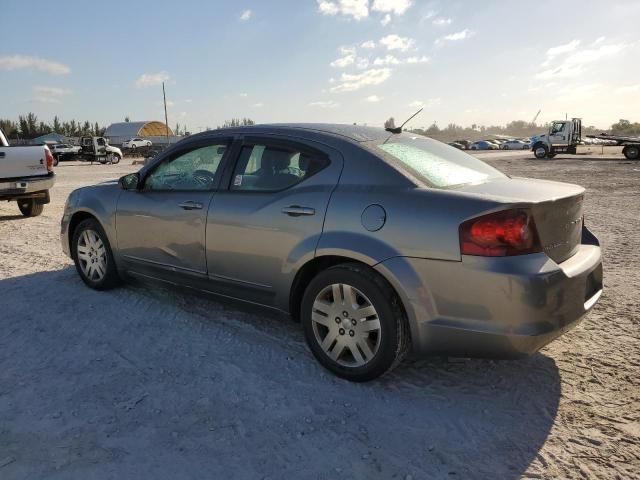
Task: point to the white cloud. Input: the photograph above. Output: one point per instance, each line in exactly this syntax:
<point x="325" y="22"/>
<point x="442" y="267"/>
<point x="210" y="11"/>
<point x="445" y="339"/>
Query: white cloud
<point x="20" y="62"/>
<point x="373" y="99"/>
<point x="398" y="7"/>
<point x="393" y="60"/>
<point x="49" y="94"/>
<point x="357" y="9"/>
<point x="453" y="37"/>
<point x="574" y="64"/>
<point x="246" y="15"/>
<point x="441" y="22"/>
<point x="353" y="82"/>
<point x="560" y="49"/>
<point x="369" y="44"/>
<point x="386" y="60"/>
<point x="414" y="60"/>
<point x="429" y="15"/>
<point x="362" y="63"/>
<point x="348" y="57"/>
<point x="151" y="79"/>
<point x="258" y="105"/>
<point x="431" y="102"/>
<point x="396" y="42"/>
<point x="324" y="104"/>
<point x="385" y="20"/>
<point x="243" y="95"/>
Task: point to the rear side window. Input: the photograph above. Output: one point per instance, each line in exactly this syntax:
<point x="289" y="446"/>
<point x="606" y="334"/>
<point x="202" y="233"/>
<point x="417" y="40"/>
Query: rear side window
<point x="434" y="163"/>
<point x="273" y="168"/>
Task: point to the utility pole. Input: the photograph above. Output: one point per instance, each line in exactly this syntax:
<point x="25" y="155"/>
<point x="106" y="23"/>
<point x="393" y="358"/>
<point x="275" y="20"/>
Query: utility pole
<point x="166" y="122"/>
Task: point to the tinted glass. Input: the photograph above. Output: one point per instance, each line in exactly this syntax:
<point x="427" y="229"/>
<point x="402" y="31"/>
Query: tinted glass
<point x="434" y="163"/>
<point x="194" y="170"/>
<point x="269" y="168"/>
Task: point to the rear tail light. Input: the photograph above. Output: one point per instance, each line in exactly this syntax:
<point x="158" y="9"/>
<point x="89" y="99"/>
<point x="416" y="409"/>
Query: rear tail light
<point x="49" y="156"/>
<point x="500" y="234"/>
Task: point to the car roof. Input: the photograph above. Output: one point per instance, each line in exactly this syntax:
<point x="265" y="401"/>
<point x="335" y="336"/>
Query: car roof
<point x="354" y="133"/>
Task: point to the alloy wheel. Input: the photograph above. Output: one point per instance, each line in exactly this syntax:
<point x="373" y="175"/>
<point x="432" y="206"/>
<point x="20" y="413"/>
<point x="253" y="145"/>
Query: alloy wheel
<point x="92" y="255"/>
<point x="346" y="325"/>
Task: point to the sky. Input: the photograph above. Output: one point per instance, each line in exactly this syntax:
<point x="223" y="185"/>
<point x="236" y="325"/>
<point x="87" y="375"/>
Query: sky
<point x="345" y="61"/>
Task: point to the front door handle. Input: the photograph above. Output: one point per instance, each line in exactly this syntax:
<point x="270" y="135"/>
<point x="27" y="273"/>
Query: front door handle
<point x="296" y="211"/>
<point x="190" y="205"/>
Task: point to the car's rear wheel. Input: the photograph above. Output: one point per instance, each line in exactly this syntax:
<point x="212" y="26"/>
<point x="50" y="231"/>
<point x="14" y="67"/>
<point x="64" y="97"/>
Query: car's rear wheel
<point x="631" y="152"/>
<point x="92" y="256"/>
<point x="353" y="323"/>
<point x="30" y="208"/>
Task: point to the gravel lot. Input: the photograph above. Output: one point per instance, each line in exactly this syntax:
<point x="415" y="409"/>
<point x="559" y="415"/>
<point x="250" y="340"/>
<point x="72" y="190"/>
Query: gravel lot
<point x="143" y="382"/>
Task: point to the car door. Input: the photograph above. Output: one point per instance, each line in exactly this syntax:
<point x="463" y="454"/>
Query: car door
<point x="269" y="219"/>
<point x="558" y="133"/>
<point x="161" y="226"/>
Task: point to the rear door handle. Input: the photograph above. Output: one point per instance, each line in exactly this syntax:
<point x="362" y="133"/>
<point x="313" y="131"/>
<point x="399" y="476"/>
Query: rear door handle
<point x="297" y="211"/>
<point x="190" y="205"/>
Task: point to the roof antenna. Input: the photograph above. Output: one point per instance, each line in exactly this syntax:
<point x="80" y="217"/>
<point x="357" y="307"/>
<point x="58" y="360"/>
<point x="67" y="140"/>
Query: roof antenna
<point x="399" y="129"/>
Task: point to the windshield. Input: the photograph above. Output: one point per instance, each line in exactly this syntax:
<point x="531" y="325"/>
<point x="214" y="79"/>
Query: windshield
<point x="434" y="163"/>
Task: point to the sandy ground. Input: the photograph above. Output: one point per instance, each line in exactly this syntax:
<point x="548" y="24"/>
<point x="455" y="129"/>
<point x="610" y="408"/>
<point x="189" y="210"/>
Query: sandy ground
<point x="142" y="382"/>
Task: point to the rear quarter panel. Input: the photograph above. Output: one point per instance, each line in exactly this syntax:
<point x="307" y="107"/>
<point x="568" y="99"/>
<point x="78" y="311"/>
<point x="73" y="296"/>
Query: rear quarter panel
<point x="420" y="222"/>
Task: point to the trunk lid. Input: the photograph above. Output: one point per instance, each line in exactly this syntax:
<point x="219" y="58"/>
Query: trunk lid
<point x="557" y="209"/>
<point x="20" y="162"/>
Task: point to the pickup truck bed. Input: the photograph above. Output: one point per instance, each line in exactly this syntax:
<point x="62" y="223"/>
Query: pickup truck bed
<point x="26" y="176"/>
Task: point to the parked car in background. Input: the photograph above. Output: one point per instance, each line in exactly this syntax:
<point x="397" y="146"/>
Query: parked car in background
<point x="482" y="145"/>
<point x="136" y="142"/>
<point x="457" y="145"/>
<point x="63" y="151"/>
<point x="26" y="176"/>
<point x="313" y="220"/>
<point x="63" y="148"/>
<point x="464" y="143"/>
<point x="515" y="145"/>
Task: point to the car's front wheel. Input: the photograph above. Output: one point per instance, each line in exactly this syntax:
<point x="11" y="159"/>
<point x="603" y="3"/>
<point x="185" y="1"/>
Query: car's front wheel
<point x="92" y="256"/>
<point x="353" y="322"/>
<point x="540" y="151"/>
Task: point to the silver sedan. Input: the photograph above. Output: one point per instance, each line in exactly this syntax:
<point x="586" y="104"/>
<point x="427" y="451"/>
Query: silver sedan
<point x="380" y="243"/>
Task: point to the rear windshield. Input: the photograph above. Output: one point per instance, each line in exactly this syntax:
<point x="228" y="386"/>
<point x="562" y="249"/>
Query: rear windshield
<point x="434" y="163"/>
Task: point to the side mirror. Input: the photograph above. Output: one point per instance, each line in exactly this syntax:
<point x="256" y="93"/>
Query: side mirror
<point x="129" y="182"/>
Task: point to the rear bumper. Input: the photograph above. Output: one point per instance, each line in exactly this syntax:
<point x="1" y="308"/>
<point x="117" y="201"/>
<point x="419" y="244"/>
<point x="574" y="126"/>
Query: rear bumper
<point x="27" y="187"/>
<point x="494" y="307"/>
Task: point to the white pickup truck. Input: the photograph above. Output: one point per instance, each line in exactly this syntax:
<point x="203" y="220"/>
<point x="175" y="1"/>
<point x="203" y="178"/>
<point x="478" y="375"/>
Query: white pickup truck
<point x="26" y="176"/>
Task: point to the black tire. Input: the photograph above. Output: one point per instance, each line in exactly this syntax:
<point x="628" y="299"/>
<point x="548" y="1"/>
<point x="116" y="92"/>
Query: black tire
<point x="30" y="208"/>
<point x="56" y="160"/>
<point x="133" y="146"/>
<point x="394" y="332"/>
<point x="631" y="152"/>
<point x="111" y="279"/>
<point x="540" y="151"/>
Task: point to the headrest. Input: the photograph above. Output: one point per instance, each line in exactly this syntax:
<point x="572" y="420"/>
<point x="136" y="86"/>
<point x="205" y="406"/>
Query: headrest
<point x="303" y="162"/>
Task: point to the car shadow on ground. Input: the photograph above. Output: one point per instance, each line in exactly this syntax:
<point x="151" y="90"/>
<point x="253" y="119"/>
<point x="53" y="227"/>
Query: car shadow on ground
<point x="176" y="385"/>
<point x="11" y="217"/>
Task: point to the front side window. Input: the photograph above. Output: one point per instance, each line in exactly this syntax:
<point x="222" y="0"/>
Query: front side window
<point x="557" y="128"/>
<point x="272" y="168"/>
<point x="434" y="163"/>
<point x="192" y="170"/>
